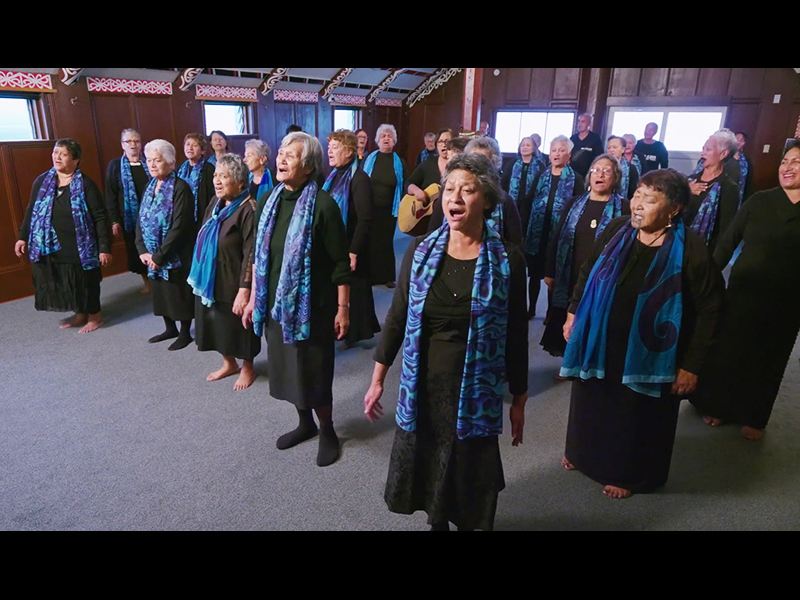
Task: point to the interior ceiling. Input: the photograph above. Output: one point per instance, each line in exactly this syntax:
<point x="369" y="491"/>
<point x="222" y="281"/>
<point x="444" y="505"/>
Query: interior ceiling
<point x="358" y="83"/>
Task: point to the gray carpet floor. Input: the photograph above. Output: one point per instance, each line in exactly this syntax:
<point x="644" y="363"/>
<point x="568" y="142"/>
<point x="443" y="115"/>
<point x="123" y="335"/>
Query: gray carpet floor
<point x="107" y="433"/>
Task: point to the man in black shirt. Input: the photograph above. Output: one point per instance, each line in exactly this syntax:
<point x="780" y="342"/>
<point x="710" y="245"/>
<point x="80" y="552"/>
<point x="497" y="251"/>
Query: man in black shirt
<point x="655" y="153"/>
<point x="588" y="146"/>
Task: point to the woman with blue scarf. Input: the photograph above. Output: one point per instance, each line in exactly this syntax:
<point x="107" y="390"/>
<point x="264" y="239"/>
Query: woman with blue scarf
<point x="629" y="182"/>
<point x="222" y="274"/>
<point x="65" y="235"/>
<point x="256" y="157"/>
<point x="520" y="180"/>
<point x="126" y="181"/>
<point x="715" y="196"/>
<point x="584" y="219"/>
<point x="301" y="296"/>
<point x="351" y="189"/>
<point x="458" y="316"/>
<point x="198" y="172"/>
<point x="640" y="324"/>
<point x="165" y="237"/>
<point x="388" y="173"/>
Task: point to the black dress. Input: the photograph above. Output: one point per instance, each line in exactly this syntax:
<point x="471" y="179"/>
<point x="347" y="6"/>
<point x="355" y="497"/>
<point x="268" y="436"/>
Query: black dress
<point x="205" y="191"/>
<point x="616" y="436"/>
<point x="115" y="202"/>
<point x="553" y="340"/>
<point x="384" y="225"/>
<point x="302" y="373"/>
<point x="728" y="206"/>
<point x="174" y="299"/>
<point x="452" y="480"/>
<point x="364" y="322"/>
<point x="218" y="329"/>
<point x="760" y="319"/>
<point x="426" y="174"/>
<point x="60" y="282"/>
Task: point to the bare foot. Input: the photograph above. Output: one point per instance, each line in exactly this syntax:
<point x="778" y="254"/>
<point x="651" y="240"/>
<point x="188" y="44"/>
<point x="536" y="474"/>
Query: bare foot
<point x="568" y="466"/>
<point x="225" y="372"/>
<point x="95" y="322"/>
<point x="616" y="493"/>
<point x="246" y="379"/>
<point x="752" y="434"/>
<point x="74" y="321"/>
<point x="712" y="422"/>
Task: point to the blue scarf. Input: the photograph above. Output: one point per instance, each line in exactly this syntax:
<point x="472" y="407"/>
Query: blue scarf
<point x="43" y="239"/>
<point x="706" y="220"/>
<point x="293" y="296"/>
<point x="341" y="193"/>
<point x="192" y="175"/>
<point x="213" y="160"/>
<point x="155" y="219"/>
<point x="480" y="411"/>
<point x="516" y="178"/>
<point x="651" y="361"/>
<point x="637" y="164"/>
<point x="132" y="200"/>
<point x="566" y="189"/>
<point x="625" y="183"/>
<point x="266" y="185"/>
<point x="203" y="276"/>
<point x="745" y="166"/>
<point x="369" y="167"/>
<point x="566" y="243"/>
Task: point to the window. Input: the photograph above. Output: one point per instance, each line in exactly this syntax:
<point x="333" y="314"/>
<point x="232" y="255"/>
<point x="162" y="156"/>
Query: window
<point x="233" y="119"/>
<point x="512" y="127"/>
<point x="16" y="120"/>
<point x="345" y="118"/>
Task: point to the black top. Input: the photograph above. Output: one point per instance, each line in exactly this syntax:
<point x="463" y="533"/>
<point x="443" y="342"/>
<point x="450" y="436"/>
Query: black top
<point x="459" y="288"/>
<point x="64" y="223"/>
<point x="633" y="183"/>
<point x="384" y="181"/>
<point x="181" y="237"/>
<point x="425" y="175"/>
<point x="115" y="196"/>
<point x="703" y="287"/>
<point x="585" y="152"/>
<point x="579" y="190"/>
<point x="656" y="156"/>
<point x="421" y="158"/>
<point x="728" y="206"/>
<point x="360" y="212"/>
<point x="237" y="237"/>
<point x="205" y="189"/>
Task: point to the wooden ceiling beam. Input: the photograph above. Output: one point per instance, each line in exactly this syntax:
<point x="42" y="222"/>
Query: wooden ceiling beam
<point x="187" y="78"/>
<point x="69" y="75"/>
<point x="338" y="80"/>
<point x="383" y="85"/>
<point x="272" y="80"/>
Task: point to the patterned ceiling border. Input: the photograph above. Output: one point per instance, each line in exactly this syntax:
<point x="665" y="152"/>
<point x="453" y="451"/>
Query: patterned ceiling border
<point x="225" y="92"/>
<point x="373" y="95"/>
<point x="433" y="83"/>
<point x="14" y="81"/>
<point x="187" y="78"/>
<point x="394" y="102"/>
<point x="129" y="86"/>
<point x="272" y="80"/>
<point x="336" y="82"/>
<point x="295" y="96"/>
<point x="348" y="100"/>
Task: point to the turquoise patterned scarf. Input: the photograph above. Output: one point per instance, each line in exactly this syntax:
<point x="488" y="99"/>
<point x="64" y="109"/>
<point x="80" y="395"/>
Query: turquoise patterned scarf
<point x="266" y="185"/>
<point x="480" y="411"/>
<point x="745" y="166"/>
<point x="193" y="175"/>
<point x="369" y="167"/>
<point x="534" y="168"/>
<point x="566" y="189"/>
<point x="341" y="193"/>
<point x="132" y="200"/>
<point x="293" y="296"/>
<point x="625" y="183"/>
<point x="652" y="355"/>
<point x="706" y="220"/>
<point x="155" y="220"/>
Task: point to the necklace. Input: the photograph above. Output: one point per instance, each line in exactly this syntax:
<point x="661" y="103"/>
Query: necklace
<point x="653" y="243"/>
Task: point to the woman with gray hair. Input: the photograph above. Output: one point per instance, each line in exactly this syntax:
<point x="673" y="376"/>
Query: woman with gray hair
<point x="388" y="173"/>
<point x="300" y="296"/>
<point x="715" y="197"/>
<point x="165" y="237"/>
<point x="459" y="316"/>
<point x="222" y="274"/>
<point x="256" y="157"/>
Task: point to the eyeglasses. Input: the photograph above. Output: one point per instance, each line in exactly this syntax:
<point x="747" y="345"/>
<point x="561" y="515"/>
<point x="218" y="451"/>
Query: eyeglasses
<point x="132" y="142"/>
<point x="608" y="172"/>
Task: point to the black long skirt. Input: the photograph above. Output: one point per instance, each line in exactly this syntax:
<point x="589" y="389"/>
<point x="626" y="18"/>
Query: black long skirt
<point x="453" y="481"/>
<point x="66" y="287"/>
<point x="173" y="299"/>
<point x="383" y="261"/>
<point x="553" y="340"/>
<point x="218" y="329"/>
<point x="301" y="373"/>
<point x="619" y="438"/>
<point x="135" y="264"/>
<point x="364" y="324"/>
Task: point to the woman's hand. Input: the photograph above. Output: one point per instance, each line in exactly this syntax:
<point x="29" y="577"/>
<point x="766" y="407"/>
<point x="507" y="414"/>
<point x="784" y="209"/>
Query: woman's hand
<point x="116" y="229"/>
<point x="550" y="283"/>
<point x="569" y="326"/>
<point x="372" y="403"/>
<point x="21" y="248"/>
<point x="418" y="192"/>
<point x="685" y="384"/>
<point x="146" y="259"/>
<point x="247" y="314"/>
<point x="342" y="323"/>
<point x="353" y="263"/>
<point x="518" y="419"/>
<point x="106" y="259"/>
<point x="698" y="188"/>
<point x="241" y="302"/>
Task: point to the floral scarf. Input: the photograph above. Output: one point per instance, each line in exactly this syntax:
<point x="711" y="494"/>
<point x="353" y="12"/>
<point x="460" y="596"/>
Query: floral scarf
<point x="155" y="220"/>
<point x="566" y="189"/>
<point x="341" y="193"/>
<point x="132" y="200"/>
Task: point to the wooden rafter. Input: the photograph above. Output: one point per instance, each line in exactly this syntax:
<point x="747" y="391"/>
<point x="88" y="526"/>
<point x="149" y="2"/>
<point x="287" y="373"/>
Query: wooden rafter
<point x="70" y="75"/>
<point x="432" y="84"/>
<point x="272" y="80"/>
<point x="187" y="78"/>
<point x="377" y="91"/>
<point x="336" y="82"/>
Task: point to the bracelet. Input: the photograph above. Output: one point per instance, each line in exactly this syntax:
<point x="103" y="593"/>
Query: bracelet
<point x="347" y="306"/>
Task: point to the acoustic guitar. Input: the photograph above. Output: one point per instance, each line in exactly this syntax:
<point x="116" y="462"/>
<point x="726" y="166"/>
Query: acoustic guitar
<point x="415" y="216"/>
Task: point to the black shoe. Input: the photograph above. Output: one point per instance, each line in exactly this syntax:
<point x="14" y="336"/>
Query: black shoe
<point x="329" y="448"/>
<point x="181" y="343"/>
<point x="167" y="335"/>
<point x="299" y="436"/>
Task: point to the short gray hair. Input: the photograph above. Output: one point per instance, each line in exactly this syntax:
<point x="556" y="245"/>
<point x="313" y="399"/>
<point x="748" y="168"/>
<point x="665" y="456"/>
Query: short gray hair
<point x="261" y="148"/>
<point x="383" y="129"/>
<point x="164" y="148"/>
<point x="430" y="136"/>
<point x="236" y="167"/>
<point x="312" y="151"/>
<point x="562" y="139"/>
<point x="484" y="171"/>
<point x="489" y="144"/>
<point x="726" y="140"/>
<point x="131" y="132"/>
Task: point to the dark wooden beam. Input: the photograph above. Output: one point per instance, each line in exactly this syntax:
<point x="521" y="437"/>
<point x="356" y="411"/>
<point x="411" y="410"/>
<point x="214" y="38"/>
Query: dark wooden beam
<point x="272" y="80"/>
<point x="70" y="75"/>
<point x="377" y="91"/>
<point x="187" y="78"/>
<point x="433" y="83"/>
<point x="338" y="80"/>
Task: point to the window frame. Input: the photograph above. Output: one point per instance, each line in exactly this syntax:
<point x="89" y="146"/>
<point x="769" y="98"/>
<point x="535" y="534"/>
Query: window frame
<point x="248" y="114"/>
<point x="36" y="115"/>
<point x="545" y="143"/>
<point x="357" y="112"/>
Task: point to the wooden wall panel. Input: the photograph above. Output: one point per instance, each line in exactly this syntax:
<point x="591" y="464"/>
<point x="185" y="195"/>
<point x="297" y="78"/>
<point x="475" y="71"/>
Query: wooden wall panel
<point x="654" y="82"/>
<point x="542" y="84"/>
<point x="567" y="85"/>
<point x="714" y="81"/>
<point x="625" y="82"/>
<point x="683" y="82"/>
<point x="155" y="120"/>
<point x="519" y="83"/>
<point x="746" y="83"/>
<point x="113" y="114"/>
